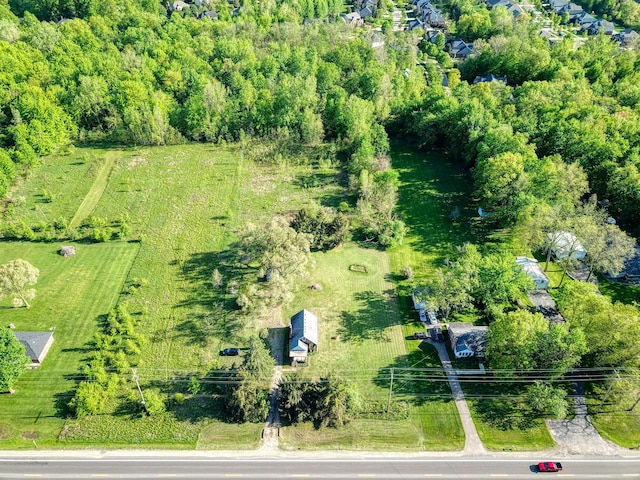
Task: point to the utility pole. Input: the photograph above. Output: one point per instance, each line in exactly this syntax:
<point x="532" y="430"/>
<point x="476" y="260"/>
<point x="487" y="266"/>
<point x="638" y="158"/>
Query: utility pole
<point x="390" y="391"/>
<point x="615" y="377"/>
<point x="135" y="378"/>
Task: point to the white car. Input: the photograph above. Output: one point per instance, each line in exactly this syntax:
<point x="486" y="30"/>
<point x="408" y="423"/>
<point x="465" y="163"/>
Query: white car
<point x="423" y="316"/>
<point x="432" y="317"/>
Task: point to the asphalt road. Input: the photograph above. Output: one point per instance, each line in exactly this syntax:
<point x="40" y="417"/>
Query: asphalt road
<point x="260" y="468"/>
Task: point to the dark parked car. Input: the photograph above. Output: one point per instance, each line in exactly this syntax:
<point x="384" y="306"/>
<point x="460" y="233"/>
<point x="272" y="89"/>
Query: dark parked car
<point x="230" y="352"/>
<point x="549" y="467"/>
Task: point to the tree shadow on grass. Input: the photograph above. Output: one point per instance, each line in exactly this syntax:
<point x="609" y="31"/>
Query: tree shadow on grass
<point x="504" y="413"/>
<point x="417" y="376"/>
<point x="371" y="320"/>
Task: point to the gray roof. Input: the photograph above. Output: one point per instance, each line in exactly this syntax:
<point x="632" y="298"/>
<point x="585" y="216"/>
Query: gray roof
<point x="304" y="331"/>
<point x="35" y="343"/>
<point x="468" y="335"/>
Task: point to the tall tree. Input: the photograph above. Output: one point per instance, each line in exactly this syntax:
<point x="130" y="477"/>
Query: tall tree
<point x="13" y="359"/>
<point x="15" y="277"/>
<point x="276" y="247"/>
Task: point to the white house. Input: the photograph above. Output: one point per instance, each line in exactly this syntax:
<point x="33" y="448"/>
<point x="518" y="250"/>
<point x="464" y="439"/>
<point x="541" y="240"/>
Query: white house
<point x="531" y="267"/>
<point x="566" y="244"/>
<point x="303" y="337"/>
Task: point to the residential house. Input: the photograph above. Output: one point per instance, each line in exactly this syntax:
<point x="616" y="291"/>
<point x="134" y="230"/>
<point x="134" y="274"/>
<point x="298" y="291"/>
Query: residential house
<point x="585" y="20"/>
<point x="489" y="78"/>
<point x="177" y="6"/>
<point x="377" y="40"/>
<point x="498" y="3"/>
<point x="557" y="5"/>
<point x="212" y="14"/>
<point x="354" y="19"/>
<point x="303" y="336"/>
<point x="415" y="23"/>
<point x="566" y="244"/>
<point x="627" y="37"/>
<point x="531" y="267"/>
<point x="467" y="340"/>
<point x="36" y="344"/>
<point x="460" y="49"/>
<point x="366" y="12"/>
<point x="601" y="26"/>
<point x="201" y="3"/>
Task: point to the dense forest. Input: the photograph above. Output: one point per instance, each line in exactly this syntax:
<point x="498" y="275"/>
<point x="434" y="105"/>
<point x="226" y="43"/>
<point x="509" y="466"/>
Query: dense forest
<point x="130" y="72"/>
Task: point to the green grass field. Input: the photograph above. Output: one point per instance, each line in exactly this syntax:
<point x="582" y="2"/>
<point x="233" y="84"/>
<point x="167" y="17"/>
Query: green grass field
<point x="71" y="296"/>
<point x="186" y="204"/>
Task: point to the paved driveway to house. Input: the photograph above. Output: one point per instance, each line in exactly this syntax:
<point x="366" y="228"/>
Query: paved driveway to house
<point x="472" y="445"/>
<point x="579" y="436"/>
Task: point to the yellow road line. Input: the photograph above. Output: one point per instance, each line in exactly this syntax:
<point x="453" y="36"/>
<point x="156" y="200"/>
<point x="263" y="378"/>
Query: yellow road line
<point x="32" y="474"/>
<point x="167" y="475"/>
<point x="299" y="475"/>
<point x="233" y="474"/>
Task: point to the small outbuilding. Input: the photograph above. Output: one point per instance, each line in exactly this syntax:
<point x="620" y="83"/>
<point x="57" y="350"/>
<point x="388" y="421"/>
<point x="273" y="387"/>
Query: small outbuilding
<point x="303" y="336"/>
<point x="467" y="340"/>
<point x="566" y="244"/>
<point x="36" y="344"/>
<point x="531" y="267"/>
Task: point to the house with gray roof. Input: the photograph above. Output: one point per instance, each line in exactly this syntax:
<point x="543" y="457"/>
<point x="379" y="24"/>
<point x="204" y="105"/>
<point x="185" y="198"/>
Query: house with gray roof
<point x="467" y="340"/>
<point x="36" y="344"/>
<point x="627" y="37"/>
<point x="489" y="78"/>
<point x="303" y="336"/>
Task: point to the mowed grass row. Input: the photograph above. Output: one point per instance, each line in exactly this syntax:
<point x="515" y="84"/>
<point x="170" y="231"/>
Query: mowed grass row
<point x="72" y="294"/>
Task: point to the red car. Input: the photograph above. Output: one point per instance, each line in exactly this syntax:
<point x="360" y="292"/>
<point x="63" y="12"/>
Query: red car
<point x="549" y="467"/>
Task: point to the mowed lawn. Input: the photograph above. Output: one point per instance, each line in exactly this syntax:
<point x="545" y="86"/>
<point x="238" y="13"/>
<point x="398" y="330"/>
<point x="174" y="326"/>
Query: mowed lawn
<point x="71" y="296"/>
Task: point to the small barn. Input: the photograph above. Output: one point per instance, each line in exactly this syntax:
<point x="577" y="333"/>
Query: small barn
<point x="531" y="267"/>
<point x="566" y="244"/>
<point x="467" y="340"/>
<point x="36" y="344"/>
<point x="303" y="336"/>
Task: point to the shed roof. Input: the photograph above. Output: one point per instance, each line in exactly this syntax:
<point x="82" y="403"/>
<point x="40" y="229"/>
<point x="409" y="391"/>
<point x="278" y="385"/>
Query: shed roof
<point x="531" y="267"/>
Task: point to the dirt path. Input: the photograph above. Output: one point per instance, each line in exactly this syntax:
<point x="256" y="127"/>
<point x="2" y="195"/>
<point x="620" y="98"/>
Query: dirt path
<point x="270" y="438"/>
<point x="94" y="194"/>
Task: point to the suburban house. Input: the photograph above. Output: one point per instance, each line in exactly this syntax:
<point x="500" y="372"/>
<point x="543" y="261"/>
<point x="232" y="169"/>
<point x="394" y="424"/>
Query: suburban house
<point x="178" y="6"/>
<point x="36" y="344"/>
<point x="627" y="37"/>
<point x="531" y="267"/>
<point x="566" y="244"/>
<point x="601" y="26"/>
<point x="489" y="78"/>
<point x="467" y="340"/>
<point x="303" y="336"/>
<point x="460" y="49"/>
<point x="354" y="19"/>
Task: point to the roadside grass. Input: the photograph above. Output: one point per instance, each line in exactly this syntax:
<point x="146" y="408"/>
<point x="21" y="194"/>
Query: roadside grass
<point x="72" y="294"/>
<point x="612" y="419"/>
<point x="501" y="425"/>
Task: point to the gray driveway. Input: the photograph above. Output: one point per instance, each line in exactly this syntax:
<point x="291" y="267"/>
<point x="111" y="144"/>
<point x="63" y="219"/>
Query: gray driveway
<point x="578" y="436"/>
<point x="472" y="445"/>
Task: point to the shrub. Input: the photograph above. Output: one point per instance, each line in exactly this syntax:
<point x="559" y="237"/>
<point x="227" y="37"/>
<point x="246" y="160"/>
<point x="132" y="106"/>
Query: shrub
<point x="407" y="272"/>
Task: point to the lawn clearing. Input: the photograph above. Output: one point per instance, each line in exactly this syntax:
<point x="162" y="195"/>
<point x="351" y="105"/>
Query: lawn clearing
<point x="72" y="295"/>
